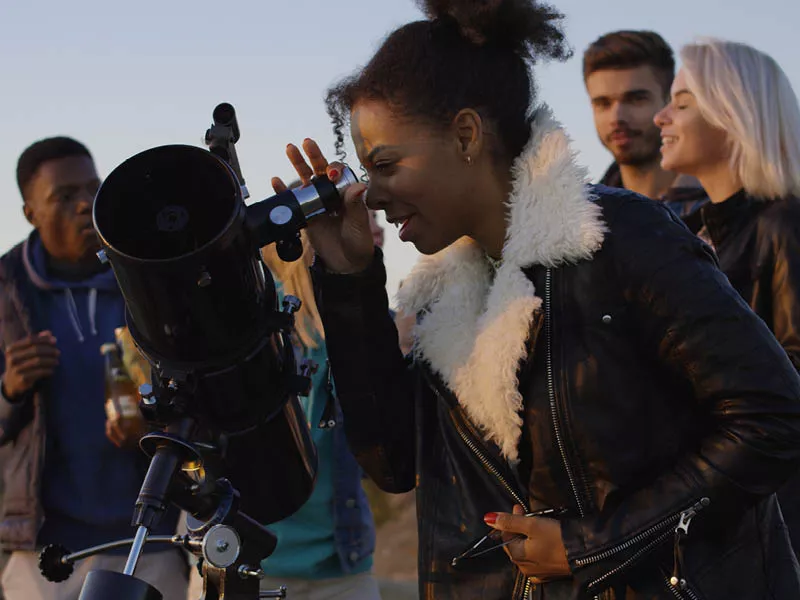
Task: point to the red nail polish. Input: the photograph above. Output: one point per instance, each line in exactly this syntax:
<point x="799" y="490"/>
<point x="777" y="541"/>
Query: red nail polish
<point x="490" y="518"/>
<point x="333" y="174"/>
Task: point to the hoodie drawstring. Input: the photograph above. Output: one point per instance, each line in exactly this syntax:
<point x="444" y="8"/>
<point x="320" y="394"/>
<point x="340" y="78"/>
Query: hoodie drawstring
<point x="92" y="310"/>
<point x="72" y="309"/>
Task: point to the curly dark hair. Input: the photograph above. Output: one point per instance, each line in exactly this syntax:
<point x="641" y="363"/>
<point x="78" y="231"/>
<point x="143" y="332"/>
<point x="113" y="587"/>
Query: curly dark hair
<point x="470" y="54"/>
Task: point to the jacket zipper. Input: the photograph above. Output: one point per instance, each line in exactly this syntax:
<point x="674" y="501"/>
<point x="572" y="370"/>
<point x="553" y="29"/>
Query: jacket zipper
<point x="671" y="520"/>
<point x="681" y="594"/>
<point x="574" y="486"/>
<point x="548" y="328"/>
<point x="677" y="582"/>
<point x="675" y="519"/>
<point x="600" y="556"/>
<point x="556" y="425"/>
<point x="487" y="463"/>
<point x="526" y="592"/>
<point x="551" y="390"/>
<point x="494" y="471"/>
<point x="632" y="560"/>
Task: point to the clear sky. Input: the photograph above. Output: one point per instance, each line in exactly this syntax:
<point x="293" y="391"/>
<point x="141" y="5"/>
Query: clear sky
<point x="124" y="77"/>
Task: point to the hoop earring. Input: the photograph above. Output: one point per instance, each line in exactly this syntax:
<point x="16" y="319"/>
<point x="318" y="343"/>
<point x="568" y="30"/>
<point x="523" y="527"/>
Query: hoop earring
<point x="469" y="160"/>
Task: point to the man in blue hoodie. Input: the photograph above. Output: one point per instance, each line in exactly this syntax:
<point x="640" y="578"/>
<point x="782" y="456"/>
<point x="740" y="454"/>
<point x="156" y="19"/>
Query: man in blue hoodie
<point x="71" y="477"/>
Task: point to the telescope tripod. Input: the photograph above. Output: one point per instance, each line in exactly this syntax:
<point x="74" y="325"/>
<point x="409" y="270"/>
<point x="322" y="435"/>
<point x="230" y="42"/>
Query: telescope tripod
<point x="229" y="544"/>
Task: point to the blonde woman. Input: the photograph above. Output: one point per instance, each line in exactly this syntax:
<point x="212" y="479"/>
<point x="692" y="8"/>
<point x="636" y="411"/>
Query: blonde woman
<point x="734" y="123"/>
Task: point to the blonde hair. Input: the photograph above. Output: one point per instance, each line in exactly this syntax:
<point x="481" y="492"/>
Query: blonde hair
<point x="296" y="280"/>
<point x="744" y="92"/>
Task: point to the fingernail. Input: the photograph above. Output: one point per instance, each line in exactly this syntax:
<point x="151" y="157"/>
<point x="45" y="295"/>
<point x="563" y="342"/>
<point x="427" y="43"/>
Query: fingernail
<point x="490" y="518"/>
<point x="333" y="174"/>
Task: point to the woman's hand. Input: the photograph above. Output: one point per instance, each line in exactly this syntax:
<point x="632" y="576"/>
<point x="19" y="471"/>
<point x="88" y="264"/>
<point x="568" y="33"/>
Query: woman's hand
<point x="343" y="241"/>
<point x="541" y="554"/>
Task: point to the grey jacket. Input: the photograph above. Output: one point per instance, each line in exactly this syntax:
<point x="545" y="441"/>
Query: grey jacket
<point x="22" y="423"/>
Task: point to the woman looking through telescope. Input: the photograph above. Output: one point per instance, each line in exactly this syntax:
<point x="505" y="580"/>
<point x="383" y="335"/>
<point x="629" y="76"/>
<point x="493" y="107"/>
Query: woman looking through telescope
<point x="578" y="352"/>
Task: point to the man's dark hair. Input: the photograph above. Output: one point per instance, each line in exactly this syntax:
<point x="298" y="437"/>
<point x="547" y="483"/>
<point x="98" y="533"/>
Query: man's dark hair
<point x="42" y="151"/>
<point x="628" y="50"/>
<point x="469" y="54"/>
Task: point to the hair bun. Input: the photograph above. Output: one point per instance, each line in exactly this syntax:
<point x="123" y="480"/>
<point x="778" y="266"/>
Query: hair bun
<point x="527" y="27"/>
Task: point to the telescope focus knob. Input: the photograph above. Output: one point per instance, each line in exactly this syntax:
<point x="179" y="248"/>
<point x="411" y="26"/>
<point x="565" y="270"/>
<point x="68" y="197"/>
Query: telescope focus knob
<point x="147" y="394"/>
<point x="291" y="304"/>
<point x="52" y="565"/>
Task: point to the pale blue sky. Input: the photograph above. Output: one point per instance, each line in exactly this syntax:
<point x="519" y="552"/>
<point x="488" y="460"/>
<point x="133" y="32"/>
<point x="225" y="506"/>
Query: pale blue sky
<point x="123" y="77"/>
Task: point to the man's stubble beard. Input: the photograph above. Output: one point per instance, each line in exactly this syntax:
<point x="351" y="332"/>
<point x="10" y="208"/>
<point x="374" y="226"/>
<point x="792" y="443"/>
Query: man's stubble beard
<point x="648" y="154"/>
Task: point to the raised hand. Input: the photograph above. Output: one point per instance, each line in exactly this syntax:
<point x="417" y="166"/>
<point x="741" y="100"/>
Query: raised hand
<point x="343" y="241"/>
<point x="28" y="361"/>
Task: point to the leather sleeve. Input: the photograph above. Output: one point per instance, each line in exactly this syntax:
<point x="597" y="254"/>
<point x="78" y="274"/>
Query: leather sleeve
<point x="695" y="324"/>
<point x="373" y="380"/>
<point x="785" y="289"/>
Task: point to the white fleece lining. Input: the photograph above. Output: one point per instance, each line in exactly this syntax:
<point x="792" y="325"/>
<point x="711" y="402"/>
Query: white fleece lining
<point x="473" y="330"/>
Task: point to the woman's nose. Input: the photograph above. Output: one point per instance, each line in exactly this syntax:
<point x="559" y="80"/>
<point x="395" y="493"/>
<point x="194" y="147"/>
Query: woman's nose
<point x="662" y="117"/>
<point x="373" y="198"/>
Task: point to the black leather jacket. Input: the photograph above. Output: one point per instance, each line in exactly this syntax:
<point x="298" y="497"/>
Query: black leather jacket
<point x="653" y="396"/>
<point x="758" y="244"/>
<point x="685" y="198"/>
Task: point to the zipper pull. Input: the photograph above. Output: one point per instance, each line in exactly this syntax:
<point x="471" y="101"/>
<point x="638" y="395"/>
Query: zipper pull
<point x="689" y="514"/>
<point x="681" y="533"/>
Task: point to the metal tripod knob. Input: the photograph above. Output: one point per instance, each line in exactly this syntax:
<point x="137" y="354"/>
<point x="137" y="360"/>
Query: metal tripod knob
<point x="246" y="571"/>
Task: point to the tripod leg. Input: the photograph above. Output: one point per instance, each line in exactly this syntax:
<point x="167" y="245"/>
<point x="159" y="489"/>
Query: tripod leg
<point x="136" y="550"/>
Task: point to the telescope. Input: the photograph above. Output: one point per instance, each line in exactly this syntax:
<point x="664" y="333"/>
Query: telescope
<point x="233" y="447"/>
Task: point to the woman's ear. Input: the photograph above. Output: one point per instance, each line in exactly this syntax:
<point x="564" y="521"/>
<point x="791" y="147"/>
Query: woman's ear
<point x="469" y="134"/>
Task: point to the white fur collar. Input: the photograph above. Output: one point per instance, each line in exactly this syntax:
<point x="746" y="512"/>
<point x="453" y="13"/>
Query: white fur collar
<point x="473" y="330"/>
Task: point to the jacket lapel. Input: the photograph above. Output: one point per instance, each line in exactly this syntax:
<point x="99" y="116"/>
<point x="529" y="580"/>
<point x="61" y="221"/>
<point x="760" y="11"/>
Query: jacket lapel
<point x="473" y="328"/>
